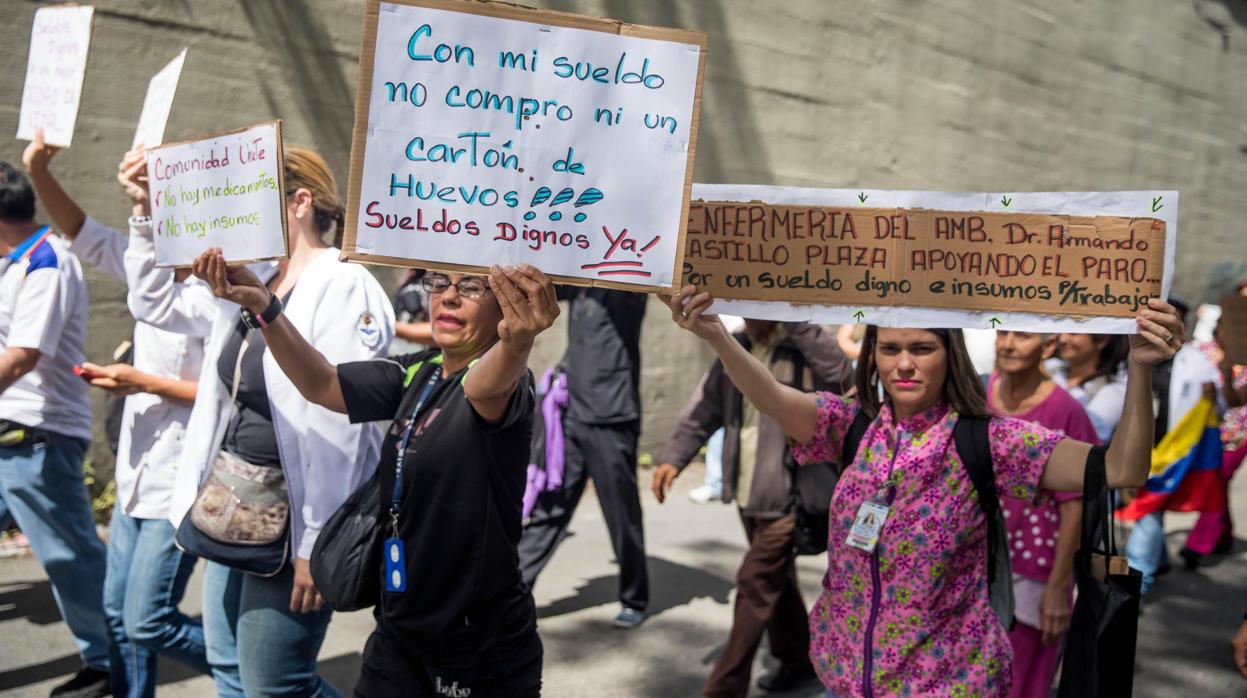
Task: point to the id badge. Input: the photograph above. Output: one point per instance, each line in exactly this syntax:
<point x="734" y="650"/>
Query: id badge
<point x="395" y="565"/>
<point x="864" y="535"/>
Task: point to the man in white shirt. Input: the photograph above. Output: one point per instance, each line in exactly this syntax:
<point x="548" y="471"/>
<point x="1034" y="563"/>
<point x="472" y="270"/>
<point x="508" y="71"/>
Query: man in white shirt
<point x="45" y="421"/>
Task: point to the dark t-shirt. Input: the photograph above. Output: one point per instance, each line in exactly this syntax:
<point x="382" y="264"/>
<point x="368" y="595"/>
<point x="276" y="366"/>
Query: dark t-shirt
<point x="463" y="487"/>
<point x="250" y="434"/>
<point x="603" y="358"/>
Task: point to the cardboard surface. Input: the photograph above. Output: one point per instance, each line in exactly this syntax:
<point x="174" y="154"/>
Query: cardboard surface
<point x="222" y="190"/>
<point x="487" y="133"/>
<point x="60" y="40"/>
<point x="158" y="103"/>
<point x="1233" y="328"/>
<point x="890" y="264"/>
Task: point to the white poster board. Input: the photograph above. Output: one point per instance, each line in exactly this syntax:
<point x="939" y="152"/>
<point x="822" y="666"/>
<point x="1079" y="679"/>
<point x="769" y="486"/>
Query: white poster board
<point x="1069" y="281"/>
<point x="223" y="190"/>
<point x="487" y="133"/>
<point x="158" y="103"/>
<point x="59" y="42"/>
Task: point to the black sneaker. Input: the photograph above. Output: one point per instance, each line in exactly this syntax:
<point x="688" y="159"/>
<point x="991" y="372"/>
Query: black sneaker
<point x="786" y="679"/>
<point x="1190" y="559"/>
<point x="87" y="683"/>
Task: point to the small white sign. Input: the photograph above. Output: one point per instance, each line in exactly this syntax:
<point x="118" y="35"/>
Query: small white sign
<point x="158" y="103"/>
<point x="59" y="41"/>
<point x="224" y="191"/>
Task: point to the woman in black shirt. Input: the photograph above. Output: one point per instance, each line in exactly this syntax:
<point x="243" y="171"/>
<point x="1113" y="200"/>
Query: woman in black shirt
<point x="455" y="618"/>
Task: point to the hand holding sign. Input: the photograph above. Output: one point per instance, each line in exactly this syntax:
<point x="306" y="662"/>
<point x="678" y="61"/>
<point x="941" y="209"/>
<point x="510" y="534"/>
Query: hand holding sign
<point x="38" y="154"/>
<point x="233" y="283"/>
<point x="688" y="310"/>
<point x="1160" y="334"/>
<point x="132" y="175"/>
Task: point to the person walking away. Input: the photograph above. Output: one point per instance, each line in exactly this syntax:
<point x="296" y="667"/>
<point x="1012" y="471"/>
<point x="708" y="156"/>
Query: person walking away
<point x="905" y="608"/>
<point x="601" y="427"/>
<point x="1042" y="536"/>
<point x="768" y="599"/>
<point x="147" y="574"/>
<point x="45" y="422"/>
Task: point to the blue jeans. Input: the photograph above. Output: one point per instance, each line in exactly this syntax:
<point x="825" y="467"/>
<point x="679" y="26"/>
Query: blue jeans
<point x="714" y="462"/>
<point x="43" y="487"/>
<point x="146" y="579"/>
<point x="1145" y="550"/>
<point x="256" y="645"/>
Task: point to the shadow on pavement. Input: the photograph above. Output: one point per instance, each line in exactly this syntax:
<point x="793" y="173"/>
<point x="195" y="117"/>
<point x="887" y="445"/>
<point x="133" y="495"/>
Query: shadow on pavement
<point x="31" y="600"/>
<point x="342" y="671"/>
<point x="671" y="585"/>
<point x="36" y="673"/>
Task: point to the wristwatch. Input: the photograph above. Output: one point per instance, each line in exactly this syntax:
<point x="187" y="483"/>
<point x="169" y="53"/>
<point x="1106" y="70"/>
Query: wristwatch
<point x="264" y="319"/>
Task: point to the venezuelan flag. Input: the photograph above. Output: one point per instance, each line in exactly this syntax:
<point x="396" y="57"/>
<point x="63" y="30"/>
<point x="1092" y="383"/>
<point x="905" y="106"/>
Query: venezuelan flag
<point x="1185" y="468"/>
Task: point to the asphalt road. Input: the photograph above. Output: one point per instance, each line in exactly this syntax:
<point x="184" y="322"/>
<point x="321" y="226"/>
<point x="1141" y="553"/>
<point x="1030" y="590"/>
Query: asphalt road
<point x="693" y="550"/>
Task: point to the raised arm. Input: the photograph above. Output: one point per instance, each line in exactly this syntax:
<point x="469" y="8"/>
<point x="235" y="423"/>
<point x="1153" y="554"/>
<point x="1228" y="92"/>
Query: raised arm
<point x="529" y="307"/>
<point x="65" y="213"/>
<point x="1129" y="455"/>
<point x="308" y="369"/>
<point x="795" y="412"/>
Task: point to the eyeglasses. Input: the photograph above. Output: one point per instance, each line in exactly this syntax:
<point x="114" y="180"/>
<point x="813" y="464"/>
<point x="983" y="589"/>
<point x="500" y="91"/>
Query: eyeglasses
<point x="468" y="287"/>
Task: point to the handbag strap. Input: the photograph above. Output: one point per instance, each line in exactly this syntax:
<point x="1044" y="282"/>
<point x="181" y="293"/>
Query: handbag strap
<point x="242" y="349"/>
<point x="1097" y="534"/>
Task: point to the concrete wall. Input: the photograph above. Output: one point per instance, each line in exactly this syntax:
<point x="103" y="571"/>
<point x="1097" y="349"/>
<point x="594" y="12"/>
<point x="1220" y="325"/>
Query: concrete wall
<point x="948" y="94"/>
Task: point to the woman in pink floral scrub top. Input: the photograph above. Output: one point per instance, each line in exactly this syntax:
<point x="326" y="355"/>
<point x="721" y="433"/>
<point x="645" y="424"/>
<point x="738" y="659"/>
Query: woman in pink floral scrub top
<point x="909" y="615"/>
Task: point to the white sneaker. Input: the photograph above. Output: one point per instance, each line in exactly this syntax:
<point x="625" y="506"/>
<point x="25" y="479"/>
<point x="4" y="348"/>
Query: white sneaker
<point x="703" y="495"/>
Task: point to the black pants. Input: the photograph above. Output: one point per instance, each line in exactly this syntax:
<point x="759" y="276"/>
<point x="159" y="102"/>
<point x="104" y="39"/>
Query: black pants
<point x="606" y="453"/>
<point x="390" y="671"/>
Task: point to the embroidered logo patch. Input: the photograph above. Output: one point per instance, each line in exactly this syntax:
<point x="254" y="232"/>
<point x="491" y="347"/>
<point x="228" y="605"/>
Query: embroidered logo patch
<point x="368" y="330"/>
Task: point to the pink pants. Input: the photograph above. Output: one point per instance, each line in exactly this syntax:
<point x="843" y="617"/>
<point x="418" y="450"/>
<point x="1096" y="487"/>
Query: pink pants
<point x="1214" y="528"/>
<point x="1034" y="663"/>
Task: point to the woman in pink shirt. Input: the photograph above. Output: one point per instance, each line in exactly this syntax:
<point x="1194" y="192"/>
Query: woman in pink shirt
<point x="1043" y="534"/>
<point x="904" y="608"/>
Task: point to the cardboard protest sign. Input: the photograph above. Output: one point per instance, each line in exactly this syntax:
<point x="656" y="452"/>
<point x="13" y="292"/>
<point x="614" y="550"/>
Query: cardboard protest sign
<point x="930" y="259"/>
<point x="225" y="190"/>
<point x="158" y="103"/>
<point x="55" y="68"/>
<point x="1232" y="328"/>
<point x="487" y="133"/>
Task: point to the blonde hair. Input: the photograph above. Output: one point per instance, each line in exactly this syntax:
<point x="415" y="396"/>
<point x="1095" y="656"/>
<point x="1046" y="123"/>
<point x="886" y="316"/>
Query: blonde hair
<point x="307" y="170"/>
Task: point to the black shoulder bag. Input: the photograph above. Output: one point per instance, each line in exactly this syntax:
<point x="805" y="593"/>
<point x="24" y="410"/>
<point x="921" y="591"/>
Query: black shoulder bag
<point x="1100" y="645"/>
<point x="346" y="558"/>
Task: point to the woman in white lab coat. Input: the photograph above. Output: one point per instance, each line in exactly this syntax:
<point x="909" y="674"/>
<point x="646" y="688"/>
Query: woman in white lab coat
<point x="263" y="633"/>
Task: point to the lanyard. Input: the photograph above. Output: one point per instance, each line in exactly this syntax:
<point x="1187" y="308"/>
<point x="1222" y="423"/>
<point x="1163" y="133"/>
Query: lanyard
<point x="397" y="498"/>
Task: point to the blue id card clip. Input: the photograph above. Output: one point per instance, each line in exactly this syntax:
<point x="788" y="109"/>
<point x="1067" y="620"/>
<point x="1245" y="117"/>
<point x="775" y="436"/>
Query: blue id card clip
<point x="395" y="565"/>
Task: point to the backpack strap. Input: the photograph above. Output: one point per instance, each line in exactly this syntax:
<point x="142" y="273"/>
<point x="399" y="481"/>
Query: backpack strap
<point x="853" y="439"/>
<point x="974" y="447"/>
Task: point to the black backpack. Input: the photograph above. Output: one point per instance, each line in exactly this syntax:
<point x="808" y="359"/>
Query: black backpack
<point x="973" y="445"/>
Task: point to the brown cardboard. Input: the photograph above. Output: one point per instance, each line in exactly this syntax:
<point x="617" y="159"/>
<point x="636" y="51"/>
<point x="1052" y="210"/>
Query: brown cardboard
<point x="509" y="11"/>
<point x="962" y="260"/>
<point x="1232" y="329"/>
